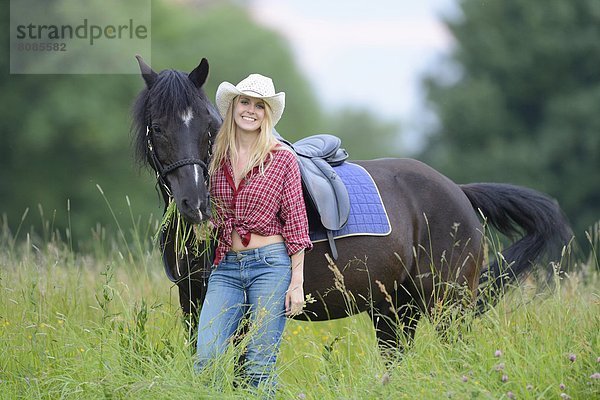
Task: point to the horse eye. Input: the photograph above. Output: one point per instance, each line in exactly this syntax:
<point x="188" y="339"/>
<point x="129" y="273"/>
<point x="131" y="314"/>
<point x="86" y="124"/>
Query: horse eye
<point x="156" y="128"/>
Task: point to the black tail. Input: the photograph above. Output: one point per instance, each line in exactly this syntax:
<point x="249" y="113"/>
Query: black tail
<point x="515" y="210"/>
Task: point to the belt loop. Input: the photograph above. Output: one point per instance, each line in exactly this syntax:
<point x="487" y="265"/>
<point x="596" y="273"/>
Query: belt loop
<point x="257" y="253"/>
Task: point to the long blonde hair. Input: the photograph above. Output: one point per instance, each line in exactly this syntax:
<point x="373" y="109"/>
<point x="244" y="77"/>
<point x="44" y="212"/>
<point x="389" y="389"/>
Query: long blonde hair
<point x="260" y="152"/>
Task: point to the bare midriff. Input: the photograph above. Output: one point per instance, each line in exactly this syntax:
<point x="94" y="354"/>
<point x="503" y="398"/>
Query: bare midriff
<point x="256" y="241"/>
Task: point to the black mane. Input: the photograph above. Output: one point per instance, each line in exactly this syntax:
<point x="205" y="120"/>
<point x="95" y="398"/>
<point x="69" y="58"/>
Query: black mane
<point x="172" y="92"/>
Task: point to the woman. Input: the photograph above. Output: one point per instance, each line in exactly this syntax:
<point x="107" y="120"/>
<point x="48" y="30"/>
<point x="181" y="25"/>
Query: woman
<point x="262" y="228"/>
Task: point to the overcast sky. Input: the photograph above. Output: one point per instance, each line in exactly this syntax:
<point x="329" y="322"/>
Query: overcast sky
<point x="367" y="53"/>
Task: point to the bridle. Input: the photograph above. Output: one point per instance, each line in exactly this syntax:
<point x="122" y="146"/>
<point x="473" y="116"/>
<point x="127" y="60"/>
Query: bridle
<point x="162" y="171"/>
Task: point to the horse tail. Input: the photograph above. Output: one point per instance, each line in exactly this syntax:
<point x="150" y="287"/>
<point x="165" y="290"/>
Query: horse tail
<point x="515" y="210"/>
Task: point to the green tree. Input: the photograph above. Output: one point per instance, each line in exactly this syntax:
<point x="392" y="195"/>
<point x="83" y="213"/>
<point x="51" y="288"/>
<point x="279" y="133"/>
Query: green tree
<point x="61" y="136"/>
<point x="363" y="135"/>
<point x="64" y="134"/>
<point x="235" y="46"/>
<point x="517" y="100"/>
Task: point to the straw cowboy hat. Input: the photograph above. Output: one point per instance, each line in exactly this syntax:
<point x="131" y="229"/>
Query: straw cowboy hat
<point x="255" y="85"/>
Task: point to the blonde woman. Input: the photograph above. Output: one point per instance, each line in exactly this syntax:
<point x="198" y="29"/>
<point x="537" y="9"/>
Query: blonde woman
<point x="262" y="228"/>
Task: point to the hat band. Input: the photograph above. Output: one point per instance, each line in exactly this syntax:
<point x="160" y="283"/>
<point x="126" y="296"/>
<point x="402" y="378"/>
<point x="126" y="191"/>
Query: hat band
<point x="253" y="91"/>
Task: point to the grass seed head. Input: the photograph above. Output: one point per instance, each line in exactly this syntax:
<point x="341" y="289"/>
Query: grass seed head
<point x="385" y="378"/>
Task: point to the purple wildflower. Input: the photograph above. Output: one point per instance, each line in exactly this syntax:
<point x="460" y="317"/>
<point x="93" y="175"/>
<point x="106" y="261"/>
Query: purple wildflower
<point x="498" y="353"/>
<point x="510" y="395"/>
<point x="500" y="367"/>
<point x="465" y="378"/>
<point x="572" y="357"/>
<point x="504" y="378"/>
<point x="562" y="386"/>
<point x="301" y="396"/>
<point x="565" y="396"/>
<point x="595" y="375"/>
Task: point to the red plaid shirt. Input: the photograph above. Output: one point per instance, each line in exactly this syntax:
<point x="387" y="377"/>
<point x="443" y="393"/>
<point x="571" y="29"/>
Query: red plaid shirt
<point x="269" y="204"/>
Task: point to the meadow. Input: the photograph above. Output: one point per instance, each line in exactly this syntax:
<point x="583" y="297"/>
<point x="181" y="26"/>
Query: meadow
<point x="105" y="323"/>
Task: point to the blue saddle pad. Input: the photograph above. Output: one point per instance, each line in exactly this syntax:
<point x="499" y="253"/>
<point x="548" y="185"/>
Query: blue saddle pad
<point x="367" y="212"/>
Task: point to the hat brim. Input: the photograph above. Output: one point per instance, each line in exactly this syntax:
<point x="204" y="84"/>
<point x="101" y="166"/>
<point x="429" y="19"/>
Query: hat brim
<point x="226" y="92"/>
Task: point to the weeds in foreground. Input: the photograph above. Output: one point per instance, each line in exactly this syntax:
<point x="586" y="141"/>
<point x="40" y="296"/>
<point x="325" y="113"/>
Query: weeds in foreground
<point x="75" y="326"/>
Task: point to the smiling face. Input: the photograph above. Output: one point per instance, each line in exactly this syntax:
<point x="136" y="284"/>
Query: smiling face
<point x="249" y="113"/>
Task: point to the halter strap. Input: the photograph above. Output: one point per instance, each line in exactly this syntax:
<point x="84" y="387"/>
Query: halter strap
<point x="181" y="163"/>
<point x="163" y="171"/>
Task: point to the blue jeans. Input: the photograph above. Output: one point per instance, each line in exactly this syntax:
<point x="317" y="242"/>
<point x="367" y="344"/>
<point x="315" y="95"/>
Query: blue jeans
<point x="250" y="283"/>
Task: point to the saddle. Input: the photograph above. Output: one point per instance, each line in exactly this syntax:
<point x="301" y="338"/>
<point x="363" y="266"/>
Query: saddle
<point x="326" y="193"/>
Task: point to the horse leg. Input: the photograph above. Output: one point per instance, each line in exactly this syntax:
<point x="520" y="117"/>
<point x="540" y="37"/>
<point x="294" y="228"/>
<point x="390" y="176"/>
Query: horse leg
<point x="451" y="305"/>
<point x="192" y="290"/>
<point x="394" y="325"/>
<point x="190" y="312"/>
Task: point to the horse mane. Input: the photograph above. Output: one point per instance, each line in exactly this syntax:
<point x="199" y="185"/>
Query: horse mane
<point x="170" y="94"/>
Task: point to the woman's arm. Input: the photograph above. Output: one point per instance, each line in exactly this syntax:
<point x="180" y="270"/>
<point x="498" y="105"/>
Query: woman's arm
<point x="294" y="298"/>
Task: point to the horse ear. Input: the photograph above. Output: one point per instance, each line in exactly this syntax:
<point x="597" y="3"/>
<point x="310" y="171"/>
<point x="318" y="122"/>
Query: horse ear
<point x="200" y="73"/>
<point x="147" y="73"/>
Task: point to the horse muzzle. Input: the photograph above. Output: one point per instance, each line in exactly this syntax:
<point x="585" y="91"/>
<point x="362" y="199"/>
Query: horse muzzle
<point x="194" y="210"/>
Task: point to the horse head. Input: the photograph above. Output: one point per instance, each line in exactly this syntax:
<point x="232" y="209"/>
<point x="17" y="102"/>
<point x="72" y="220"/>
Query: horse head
<point x="174" y="124"/>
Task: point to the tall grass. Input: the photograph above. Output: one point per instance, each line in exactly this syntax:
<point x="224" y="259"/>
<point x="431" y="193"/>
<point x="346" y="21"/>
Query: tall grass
<point x="107" y="324"/>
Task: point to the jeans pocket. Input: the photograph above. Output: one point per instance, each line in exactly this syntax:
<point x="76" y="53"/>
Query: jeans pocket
<point x="277" y="260"/>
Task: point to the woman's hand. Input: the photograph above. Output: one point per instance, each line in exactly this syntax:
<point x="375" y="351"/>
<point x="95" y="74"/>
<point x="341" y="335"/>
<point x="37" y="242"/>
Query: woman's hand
<point x="294" y="300"/>
<point x="204" y="230"/>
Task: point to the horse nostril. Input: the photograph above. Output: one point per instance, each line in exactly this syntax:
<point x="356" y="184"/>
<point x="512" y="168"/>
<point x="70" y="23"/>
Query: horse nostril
<point x="193" y="208"/>
<point x="187" y="205"/>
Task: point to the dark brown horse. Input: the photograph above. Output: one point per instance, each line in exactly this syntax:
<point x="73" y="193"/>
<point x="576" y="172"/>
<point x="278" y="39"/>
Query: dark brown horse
<point x="435" y="251"/>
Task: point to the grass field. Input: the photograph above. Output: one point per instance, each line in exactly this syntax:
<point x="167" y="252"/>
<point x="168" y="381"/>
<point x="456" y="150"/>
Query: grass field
<point x="106" y="325"/>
